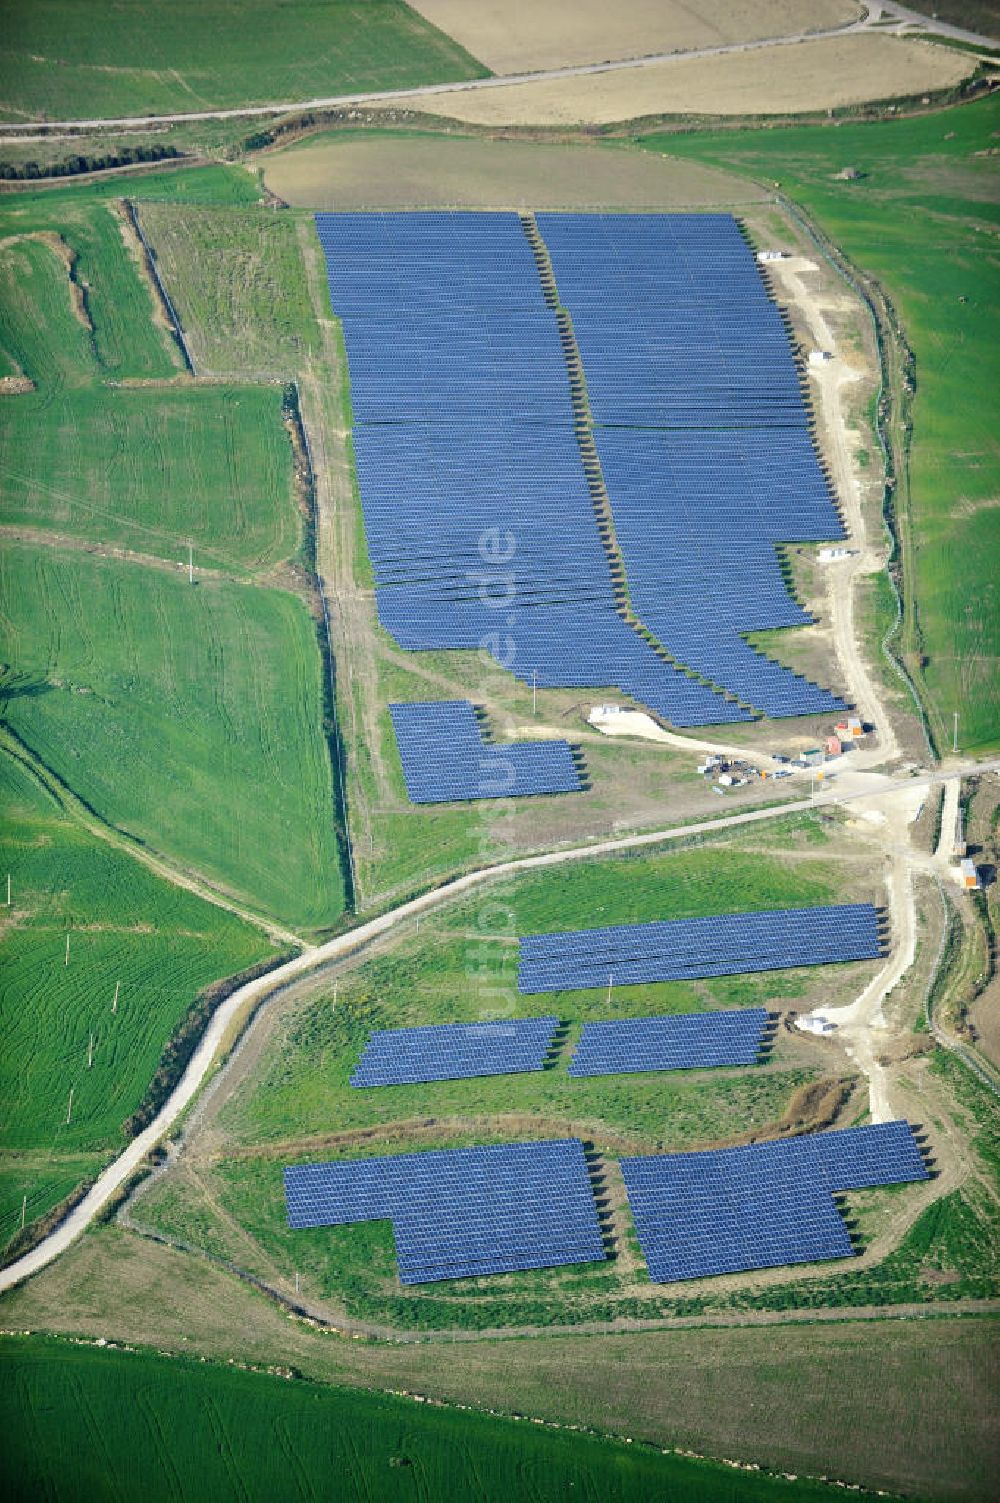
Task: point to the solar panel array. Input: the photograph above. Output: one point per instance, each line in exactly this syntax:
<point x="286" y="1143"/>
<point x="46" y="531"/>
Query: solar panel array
<point x="726" y="944"/>
<point x="679" y="338"/>
<point x="462" y="1212"/>
<point x="691" y="1041"/>
<point x="761" y="1206"/>
<point x="471" y="481"/>
<point x="454" y="1051"/>
<point x="445" y="757"/>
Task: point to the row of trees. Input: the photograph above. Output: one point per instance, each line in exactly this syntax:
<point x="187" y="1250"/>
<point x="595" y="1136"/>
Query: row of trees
<point x="128" y="156"/>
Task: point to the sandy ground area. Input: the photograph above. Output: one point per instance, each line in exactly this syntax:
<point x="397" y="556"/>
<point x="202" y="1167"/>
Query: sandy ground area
<point x="792" y="79"/>
<point x="368" y="172"/>
<point x="517" y="36"/>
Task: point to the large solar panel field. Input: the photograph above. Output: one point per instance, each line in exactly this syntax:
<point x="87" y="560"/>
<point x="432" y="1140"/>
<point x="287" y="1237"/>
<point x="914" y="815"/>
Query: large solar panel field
<point x="454" y="1051"/>
<point x="464" y="429"/>
<point x="691" y="1041"/>
<point x="464" y="1213"/>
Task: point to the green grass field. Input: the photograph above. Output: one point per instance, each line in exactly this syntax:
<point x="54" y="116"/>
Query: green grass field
<point x="84" y="1424"/>
<point x="191" y="717"/>
<point x="115" y="59"/>
<point x="128" y="929"/>
<point x="922" y="219"/>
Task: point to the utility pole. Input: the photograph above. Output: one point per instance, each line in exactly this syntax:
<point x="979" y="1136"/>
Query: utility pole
<point x="8" y="889"/>
<point x="954" y="736"/>
<point x="69" y="1109"/>
<point x="114" y="1005"/>
<point x="296" y="1283"/>
<point x="610" y="979"/>
<point x="534" y="692"/>
<point x="90" y="1053"/>
<point x="66" y="961"/>
<point x="24" y="1209"/>
<point x="190" y="563"/>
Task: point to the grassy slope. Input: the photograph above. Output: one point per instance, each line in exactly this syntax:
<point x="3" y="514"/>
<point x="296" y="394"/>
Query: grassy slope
<point x="109" y="59"/>
<point x="86" y="1424"/>
<point x="127" y="927"/>
<point x="191" y="717"/>
<point x="922" y="220"/>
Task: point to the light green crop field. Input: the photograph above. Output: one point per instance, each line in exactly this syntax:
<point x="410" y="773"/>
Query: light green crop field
<point x="84" y="1424"/>
<point x="191" y="717"/>
<point x="62" y="61"/>
<point x="127" y="929"/>
<point x="923" y="220"/>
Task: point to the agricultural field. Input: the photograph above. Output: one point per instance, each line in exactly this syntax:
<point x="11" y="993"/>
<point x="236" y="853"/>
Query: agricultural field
<point x="935" y="171"/>
<point x="190" y="717"/>
<point x="61" y="62"/>
<point x="88" y="1424"/>
<point x="373" y="169"/>
<point x="520" y="37"/>
<point x="101" y="961"/>
<point x="831" y="73"/>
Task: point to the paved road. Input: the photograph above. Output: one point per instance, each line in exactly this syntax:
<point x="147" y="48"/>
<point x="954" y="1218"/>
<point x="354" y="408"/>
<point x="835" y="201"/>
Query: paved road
<point x="255" y="992"/>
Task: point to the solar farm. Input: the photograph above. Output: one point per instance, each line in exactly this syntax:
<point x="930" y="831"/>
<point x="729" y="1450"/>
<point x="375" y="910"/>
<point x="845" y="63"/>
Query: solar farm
<point x="468" y="415"/>
<point x="465" y="1213"/>
<point x="446" y="758"/>
<point x="726" y="944"/>
<point x="763" y="1205"/>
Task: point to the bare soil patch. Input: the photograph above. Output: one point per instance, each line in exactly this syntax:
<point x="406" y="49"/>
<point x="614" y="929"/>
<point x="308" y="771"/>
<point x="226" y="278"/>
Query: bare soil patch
<point x="517" y="36"/>
<point x="402" y="172"/>
<point x="799" y="78"/>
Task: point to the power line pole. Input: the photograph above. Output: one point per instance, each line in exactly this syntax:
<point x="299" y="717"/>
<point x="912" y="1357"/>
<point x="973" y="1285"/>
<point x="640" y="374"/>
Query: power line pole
<point x="534" y="692"/>
<point x="954" y="735"/>
<point x="66" y="961"/>
<point x="610" y="979"/>
<point x="190" y="563"/>
<point x="24" y="1209"/>
<point x="69" y="1109"/>
<point x="114" y="1005"/>
<point x="8" y="889"/>
<point x="90" y="1053"/>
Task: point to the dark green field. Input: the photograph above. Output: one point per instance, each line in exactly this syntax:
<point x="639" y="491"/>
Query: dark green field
<point x="923" y="219"/>
<point x="63" y="60"/>
<point x="82" y="1425"/>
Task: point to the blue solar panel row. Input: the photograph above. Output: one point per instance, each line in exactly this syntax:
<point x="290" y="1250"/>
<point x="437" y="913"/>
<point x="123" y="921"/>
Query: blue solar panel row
<point x="454" y="1051"/>
<point x="760" y="1206"/>
<point x="691" y="1041"/>
<point x="725" y="944"/>
<point x="445" y="757"/>
<point x="460" y="1213"/>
